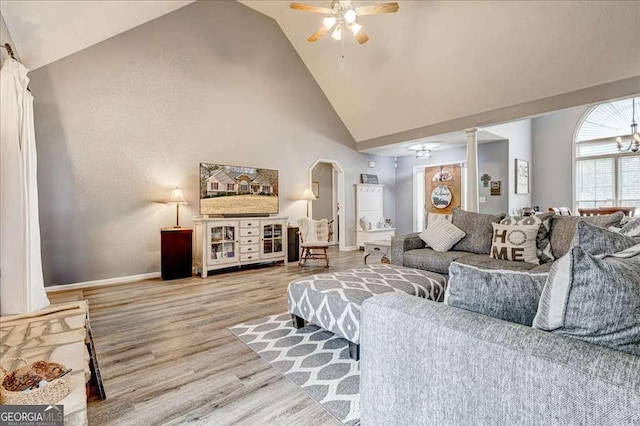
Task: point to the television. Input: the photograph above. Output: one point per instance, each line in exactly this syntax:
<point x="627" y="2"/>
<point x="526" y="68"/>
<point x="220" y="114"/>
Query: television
<point x="237" y="190"/>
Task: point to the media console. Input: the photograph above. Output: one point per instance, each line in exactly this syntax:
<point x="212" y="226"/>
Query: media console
<point x="225" y="242"/>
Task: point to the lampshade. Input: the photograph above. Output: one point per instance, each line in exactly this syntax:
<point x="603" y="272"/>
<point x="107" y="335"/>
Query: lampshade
<point x="308" y="195"/>
<point x="177" y="197"/>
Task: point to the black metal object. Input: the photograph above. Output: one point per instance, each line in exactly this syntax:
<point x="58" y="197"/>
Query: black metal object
<point x="297" y="321"/>
<point x="354" y="351"/>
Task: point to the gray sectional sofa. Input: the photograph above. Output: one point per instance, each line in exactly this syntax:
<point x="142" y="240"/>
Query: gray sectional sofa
<point x="423" y="363"/>
<point x="429" y="363"/>
<point x="410" y="251"/>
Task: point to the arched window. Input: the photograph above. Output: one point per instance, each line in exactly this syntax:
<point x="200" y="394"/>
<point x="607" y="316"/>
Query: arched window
<point x="604" y="174"/>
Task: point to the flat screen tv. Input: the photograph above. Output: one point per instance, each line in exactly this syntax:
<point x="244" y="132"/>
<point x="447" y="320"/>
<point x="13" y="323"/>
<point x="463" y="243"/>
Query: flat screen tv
<point x="237" y="191"/>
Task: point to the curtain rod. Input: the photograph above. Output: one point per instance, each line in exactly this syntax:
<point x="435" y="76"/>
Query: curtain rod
<point x="11" y="54"/>
<point x="9" y="50"/>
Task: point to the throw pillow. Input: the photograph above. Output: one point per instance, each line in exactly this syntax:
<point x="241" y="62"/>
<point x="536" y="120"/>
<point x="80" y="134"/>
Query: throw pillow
<point x="431" y="217"/>
<point x="594" y="298"/>
<point x="507" y="295"/>
<point x="441" y="235"/>
<point x="545" y="254"/>
<point x="596" y="240"/>
<point x="515" y="242"/>
<point x="564" y="227"/>
<point x="631" y="228"/>
<point x="478" y="228"/>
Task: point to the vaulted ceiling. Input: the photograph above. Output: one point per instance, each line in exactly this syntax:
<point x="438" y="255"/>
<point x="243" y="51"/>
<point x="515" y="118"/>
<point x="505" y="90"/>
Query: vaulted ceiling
<point x="430" y="63"/>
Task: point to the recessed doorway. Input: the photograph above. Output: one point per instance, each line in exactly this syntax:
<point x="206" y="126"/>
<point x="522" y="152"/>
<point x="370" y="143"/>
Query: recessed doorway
<point x="326" y="178"/>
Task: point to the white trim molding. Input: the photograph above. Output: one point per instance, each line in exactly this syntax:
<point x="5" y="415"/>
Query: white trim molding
<point x="104" y="282"/>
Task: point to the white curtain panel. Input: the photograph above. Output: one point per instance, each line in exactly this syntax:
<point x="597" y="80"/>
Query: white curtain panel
<point x="21" y="280"/>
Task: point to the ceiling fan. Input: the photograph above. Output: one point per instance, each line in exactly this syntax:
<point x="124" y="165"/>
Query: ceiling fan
<point x="343" y="15"/>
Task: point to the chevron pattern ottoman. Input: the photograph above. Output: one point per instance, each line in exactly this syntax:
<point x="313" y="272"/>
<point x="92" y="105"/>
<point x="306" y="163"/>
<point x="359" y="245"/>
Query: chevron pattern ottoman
<point x="333" y="300"/>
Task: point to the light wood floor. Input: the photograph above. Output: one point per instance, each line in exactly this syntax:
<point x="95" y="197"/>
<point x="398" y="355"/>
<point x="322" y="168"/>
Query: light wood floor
<point x="167" y="357"/>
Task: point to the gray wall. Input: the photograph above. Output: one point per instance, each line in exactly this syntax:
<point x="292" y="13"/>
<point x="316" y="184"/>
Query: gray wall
<point x="323" y="206"/>
<point x="492" y="159"/>
<point x="553" y="157"/>
<point x="122" y="122"/>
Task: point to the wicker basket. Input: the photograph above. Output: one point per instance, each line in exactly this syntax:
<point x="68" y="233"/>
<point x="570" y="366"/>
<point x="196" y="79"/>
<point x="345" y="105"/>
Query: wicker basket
<point x="53" y="392"/>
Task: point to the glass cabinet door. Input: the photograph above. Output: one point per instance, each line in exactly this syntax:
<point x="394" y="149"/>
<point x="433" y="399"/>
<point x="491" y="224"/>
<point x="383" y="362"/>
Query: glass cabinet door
<point x="222" y="244"/>
<point x="272" y="239"/>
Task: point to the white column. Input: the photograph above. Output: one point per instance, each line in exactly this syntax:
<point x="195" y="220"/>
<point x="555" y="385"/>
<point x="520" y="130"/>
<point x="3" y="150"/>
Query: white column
<point x="472" y="170"/>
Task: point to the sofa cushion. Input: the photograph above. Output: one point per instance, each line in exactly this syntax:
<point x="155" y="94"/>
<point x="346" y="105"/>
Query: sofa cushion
<point x="432" y="260"/>
<point x="478" y="228"/>
<point x="594" y="298"/>
<point x="545" y="267"/>
<point x="631" y="228"/>
<point x="564" y="227"/>
<point x="508" y="295"/>
<point x="483" y="261"/>
<point x="545" y="254"/>
<point x="515" y="242"/>
<point x="596" y="240"/>
<point x="441" y="235"/>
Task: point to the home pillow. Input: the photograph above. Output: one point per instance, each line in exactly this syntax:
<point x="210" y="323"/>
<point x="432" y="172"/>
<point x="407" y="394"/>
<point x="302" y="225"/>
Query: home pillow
<point x="545" y="254"/>
<point x="441" y="235"/>
<point x="595" y="240"/>
<point x="478" y="229"/>
<point x="514" y="242"/>
<point x="508" y="295"/>
<point x="594" y="298"/>
<point x="563" y="228"/>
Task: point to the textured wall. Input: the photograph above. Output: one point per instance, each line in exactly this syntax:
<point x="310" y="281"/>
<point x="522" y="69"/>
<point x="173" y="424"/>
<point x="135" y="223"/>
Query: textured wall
<point x="553" y="157"/>
<point x="120" y="123"/>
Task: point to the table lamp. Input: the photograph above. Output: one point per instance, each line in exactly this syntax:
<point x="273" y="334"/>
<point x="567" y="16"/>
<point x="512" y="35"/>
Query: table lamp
<point x="177" y="198"/>
<point x="307" y="195"/>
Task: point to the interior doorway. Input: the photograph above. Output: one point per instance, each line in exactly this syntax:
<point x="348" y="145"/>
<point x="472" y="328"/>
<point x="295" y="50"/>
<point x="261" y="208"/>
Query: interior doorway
<point x="437" y="189"/>
<point x="326" y="179"/>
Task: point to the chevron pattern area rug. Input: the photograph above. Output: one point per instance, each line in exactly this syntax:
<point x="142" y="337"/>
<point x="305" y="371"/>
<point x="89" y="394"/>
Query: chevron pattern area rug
<point x="314" y="359"/>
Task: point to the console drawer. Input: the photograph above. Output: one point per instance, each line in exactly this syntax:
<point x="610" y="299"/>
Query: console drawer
<point x="251" y="248"/>
<point x="249" y="223"/>
<point x="248" y="232"/>
<point x="244" y="257"/>
<point x="249" y="240"/>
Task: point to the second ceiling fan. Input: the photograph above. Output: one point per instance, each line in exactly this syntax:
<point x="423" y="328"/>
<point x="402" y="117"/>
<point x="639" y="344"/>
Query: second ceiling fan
<point x="343" y="15"/>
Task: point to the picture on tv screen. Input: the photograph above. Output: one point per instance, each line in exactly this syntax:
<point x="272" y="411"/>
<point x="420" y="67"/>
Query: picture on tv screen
<point x="234" y="190"/>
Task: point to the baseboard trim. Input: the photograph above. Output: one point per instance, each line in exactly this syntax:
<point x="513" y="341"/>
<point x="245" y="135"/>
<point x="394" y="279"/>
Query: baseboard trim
<point x="351" y="248"/>
<point x="105" y="282"/>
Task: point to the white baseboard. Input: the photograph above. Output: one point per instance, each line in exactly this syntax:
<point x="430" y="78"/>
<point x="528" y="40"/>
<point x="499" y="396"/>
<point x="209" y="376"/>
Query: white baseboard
<point x="97" y="283"/>
<point x="351" y="248"/>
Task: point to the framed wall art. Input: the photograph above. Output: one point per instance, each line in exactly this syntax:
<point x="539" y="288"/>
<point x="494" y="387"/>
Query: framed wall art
<point x="364" y="178"/>
<point x="522" y="177"/>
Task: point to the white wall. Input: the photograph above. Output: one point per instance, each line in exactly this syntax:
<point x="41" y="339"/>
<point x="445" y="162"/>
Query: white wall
<point x="122" y="122"/>
<point x="519" y="135"/>
<point x="553" y="157"/>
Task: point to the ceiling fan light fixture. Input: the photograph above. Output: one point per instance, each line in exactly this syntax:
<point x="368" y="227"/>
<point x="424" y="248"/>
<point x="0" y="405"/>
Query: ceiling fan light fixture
<point x="329" y="22"/>
<point x="350" y="16"/>
<point x="355" y="28"/>
<point x="423" y="153"/>
<point x="337" y="33"/>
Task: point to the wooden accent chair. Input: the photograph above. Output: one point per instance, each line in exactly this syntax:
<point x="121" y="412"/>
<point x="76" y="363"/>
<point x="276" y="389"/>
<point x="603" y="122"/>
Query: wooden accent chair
<point x="628" y="211"/>
<point x="314" y="239"/>
<point x="561" y="211"/>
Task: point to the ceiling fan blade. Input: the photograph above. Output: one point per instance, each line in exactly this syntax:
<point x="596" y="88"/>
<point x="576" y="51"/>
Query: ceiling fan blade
<point x="377" y="8"/>
<point x="309" y="8"/>
<point x="315" y="36"/>
<point x="362" y="37"/>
